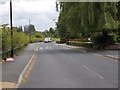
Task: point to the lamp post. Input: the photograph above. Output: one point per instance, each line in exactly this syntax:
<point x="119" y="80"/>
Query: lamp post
<point x="12" y="54"/>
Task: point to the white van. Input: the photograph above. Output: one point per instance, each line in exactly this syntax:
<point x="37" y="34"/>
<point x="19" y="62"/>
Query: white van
<point x="47" y="40"/>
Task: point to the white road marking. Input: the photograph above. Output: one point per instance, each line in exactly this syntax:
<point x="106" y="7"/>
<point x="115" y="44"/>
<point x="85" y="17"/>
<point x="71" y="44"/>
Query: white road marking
<point x="92" y="72"/>
<point x="25" y="70"/>
<point x="36" y="49"/>
<point x="113" y="56"/>
<point x="41" y="47"/>
<point x="113" y="51"/>
<point x="46" y="47"/>
<point x="73" y="59"/>
<point x="65" y="47"/>
<point x="51" y="48"/>
<point x="97" y="54"/>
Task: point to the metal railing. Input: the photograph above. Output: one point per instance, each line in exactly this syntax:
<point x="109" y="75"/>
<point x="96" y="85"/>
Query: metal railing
<point x="13" y="49"/>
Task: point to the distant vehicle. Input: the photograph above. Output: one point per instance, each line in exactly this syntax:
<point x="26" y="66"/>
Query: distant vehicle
<point x="47" y="40"/>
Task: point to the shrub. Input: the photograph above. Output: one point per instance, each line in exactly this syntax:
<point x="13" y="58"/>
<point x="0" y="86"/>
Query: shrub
<point x="82" y="44"/>
<point x="63" y="40"/>
<point x="80" y="39"/>
<point x="20" y="40"/>
<point x="101" y="41"/>
<point x="37" y="40"/>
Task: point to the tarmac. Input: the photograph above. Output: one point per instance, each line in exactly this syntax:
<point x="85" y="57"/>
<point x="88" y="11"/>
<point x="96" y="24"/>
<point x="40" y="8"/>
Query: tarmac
<point x="12" y="70"/>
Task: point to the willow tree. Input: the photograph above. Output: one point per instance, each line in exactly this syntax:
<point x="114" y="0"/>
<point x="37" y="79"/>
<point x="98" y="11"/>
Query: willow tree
<point x="87" y="17"/>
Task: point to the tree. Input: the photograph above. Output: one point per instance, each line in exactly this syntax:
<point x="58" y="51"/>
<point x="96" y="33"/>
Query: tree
<point x="19" y="29"/>
<point x="87" y="17"/>
<point x="51" y="30"/>
<point x="29" y="28"/>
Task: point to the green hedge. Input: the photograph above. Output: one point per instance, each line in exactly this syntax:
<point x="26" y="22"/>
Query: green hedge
<point x="37" y="40"/>
<point x="19" y="38"/>
<point x="101" y="41"/>
<point x="82" y="44"/>
<point x="16" y="52"/>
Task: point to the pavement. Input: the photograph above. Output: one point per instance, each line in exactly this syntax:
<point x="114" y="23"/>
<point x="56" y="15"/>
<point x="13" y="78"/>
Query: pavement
<point x="62" y="66"/>
<point x="12" y="70"/>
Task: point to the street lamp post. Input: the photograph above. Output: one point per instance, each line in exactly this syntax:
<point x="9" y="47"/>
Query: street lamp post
<point x="12" y="54"/>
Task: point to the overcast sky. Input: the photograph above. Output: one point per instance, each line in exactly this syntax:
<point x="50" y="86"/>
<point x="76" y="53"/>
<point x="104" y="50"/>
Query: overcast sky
<point x="42" y="13"/>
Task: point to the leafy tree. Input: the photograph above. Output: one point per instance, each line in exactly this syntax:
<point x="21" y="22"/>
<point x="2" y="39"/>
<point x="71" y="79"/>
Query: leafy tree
<point x="19" y="29"/>
<point x="29" y="29"/>
<point x="87" y="17"/>
<point x="19" y="38"/>
<point x="51" y="30"/>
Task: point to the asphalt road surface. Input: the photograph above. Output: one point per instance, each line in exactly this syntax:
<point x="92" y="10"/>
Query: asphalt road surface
<point x="60" y="67"/>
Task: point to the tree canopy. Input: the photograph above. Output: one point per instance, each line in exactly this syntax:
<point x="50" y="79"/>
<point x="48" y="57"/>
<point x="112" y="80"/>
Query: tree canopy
<point x="87" y="17"/>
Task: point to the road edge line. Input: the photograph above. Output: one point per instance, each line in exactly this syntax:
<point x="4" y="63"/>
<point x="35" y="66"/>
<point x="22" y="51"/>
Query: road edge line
<point x="24" y="70"/>
<point x="105" y="56"/>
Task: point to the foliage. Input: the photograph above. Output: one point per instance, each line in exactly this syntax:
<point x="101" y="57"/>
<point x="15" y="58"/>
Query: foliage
<point x="33" y="40"/>
<point x="50" y="33"/>
<point x="29" y="29"/>
<point x="19" y="29"/>
<point x="87" y="17"/>
<point x="19" y="38"/>
<point x="101" y="41"/>
<point x="87" y="45"/>
<point x="79" y="40"/>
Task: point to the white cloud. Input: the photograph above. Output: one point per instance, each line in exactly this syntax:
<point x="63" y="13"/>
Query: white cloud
<point x="41" y="13"/>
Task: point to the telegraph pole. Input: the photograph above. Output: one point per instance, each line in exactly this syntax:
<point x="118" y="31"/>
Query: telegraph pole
<point x="30" y="29"/>
<point x="12" y="54"/>
<point x="29" y="21"/>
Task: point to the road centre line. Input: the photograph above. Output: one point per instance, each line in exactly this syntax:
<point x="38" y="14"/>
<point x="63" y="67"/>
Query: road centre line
<point x="74" y="49"/>
<point x="73" y="59"/>
<point x="92" y="72"/>
<point x="87" y="68"/>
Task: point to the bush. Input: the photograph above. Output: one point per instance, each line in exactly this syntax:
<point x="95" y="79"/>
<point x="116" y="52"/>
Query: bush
<point x="80" y="39"/>
<point x="118" y="40"/>
<point x="20" y="39"/>
<point x="37" y="40"/>
<point x="16" y="52"/>
<point x="101" y="41"/>
<point x="87" y="45"/>
<point x="63" y="40"/>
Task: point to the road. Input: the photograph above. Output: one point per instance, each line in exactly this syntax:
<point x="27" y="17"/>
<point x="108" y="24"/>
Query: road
<point x="60" y="67"/>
